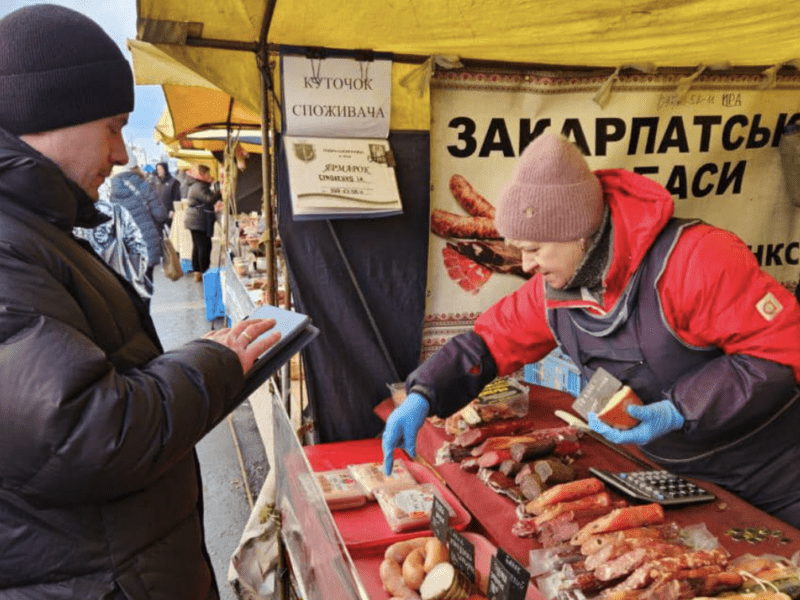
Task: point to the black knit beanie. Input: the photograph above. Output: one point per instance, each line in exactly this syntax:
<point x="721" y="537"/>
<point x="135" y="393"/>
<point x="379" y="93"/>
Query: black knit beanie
<point x="59" y="68"/>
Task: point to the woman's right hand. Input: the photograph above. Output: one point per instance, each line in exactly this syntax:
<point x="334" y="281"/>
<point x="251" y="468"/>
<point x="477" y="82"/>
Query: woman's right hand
<point x="402" y="428"/>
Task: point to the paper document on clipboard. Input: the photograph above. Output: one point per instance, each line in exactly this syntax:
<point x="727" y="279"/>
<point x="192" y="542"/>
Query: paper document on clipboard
<point x="296" y="332"/>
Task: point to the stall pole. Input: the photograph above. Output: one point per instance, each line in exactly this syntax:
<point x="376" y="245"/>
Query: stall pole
<point x="266" y="177"/>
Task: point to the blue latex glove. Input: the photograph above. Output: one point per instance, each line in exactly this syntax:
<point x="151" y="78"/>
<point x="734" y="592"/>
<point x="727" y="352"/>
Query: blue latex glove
<point x="403" y="424"/>
<point x="656" y="420"/>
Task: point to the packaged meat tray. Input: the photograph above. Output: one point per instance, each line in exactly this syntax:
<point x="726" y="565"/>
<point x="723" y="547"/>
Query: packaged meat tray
<point x="365" y="526"/>
<point x="370" y="476"/>
<point x="409" y="507"/>
<point x="503" y="398"/>
<point x="340" y="490"/>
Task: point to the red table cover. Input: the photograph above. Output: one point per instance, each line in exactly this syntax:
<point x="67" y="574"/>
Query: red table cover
<point x="495" y="514"/>
<point x="366" y="526"/>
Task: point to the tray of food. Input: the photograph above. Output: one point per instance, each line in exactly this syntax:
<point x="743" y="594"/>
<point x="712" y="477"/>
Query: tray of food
<point x="366" y="524"/>
<point x="421" y="565"/>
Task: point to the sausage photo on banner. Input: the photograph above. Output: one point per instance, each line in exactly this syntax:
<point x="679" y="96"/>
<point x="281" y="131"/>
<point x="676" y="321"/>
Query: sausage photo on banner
<point x="478" y="250"/>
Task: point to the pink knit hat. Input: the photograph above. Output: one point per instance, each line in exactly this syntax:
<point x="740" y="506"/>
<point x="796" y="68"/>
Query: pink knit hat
<point x="552" y="195"/>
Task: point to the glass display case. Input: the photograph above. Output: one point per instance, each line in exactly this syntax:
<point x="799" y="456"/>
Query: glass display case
<point x="318" y="558"/>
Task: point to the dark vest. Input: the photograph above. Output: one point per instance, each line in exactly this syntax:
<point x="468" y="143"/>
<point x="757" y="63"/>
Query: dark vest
<point x="636" y="344"/>
<point x="634" y="337"/>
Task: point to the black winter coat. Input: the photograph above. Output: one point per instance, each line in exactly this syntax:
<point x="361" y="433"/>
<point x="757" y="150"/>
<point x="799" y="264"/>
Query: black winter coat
<point x="130" y="190"/>
<point x="99" y="484"/>
<point x="168" y="191"/>
<point x="201" y="198"/>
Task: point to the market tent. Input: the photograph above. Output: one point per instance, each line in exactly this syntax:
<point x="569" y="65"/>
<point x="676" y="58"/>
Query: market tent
<point x="363" y="283"/>
<point x="192" y="109"/>
<point x="187" y="158"/>
<point x="194" y="104"/>
<point x="221" y="40"/>
<point x="215" y="139"/>
<point x="587" y="32"/>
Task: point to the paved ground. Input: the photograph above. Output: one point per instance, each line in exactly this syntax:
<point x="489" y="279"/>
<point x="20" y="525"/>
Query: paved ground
<point x="179" y="314"/>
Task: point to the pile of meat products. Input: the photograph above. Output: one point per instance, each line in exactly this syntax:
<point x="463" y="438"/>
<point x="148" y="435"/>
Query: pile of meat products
<point x="514" y="458"/>
<point x="633" y="553"/>
<point x="593" y="544"/>
<point x="533" y="466"/>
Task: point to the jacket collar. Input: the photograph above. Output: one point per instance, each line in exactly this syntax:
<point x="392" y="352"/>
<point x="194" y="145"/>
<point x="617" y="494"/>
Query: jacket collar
<point x="33" y="182"/>
<point x="640" y="208"/>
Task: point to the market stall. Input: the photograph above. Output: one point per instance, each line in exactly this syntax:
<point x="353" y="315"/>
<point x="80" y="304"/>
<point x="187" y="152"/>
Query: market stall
<point x="629" y="96"/>
<point x="696" y="97"/>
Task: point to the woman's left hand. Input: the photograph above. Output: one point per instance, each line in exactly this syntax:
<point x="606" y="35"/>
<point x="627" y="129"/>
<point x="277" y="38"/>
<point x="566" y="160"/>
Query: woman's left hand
<point x="655" y="420"/>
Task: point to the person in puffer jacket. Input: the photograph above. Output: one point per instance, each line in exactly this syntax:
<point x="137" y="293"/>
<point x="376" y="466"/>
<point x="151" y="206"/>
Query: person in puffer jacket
<point x="677" y="309"/>
<point x="100" y="491"/>
<point x="167" y="189"/>
<point x="200" y="216"/>
<point x="129" y="188"/>
<point x="119" y="242"/>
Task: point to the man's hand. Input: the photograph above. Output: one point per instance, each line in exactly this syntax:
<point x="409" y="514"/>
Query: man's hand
<point x="403" y="424"/>
<point x="242" y="338"/>
<point x="655" y="419"/>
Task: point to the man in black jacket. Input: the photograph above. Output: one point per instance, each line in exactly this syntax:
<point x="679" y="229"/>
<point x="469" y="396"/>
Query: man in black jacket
<point x="99" y="483"/>
<point x="167" y="188"/>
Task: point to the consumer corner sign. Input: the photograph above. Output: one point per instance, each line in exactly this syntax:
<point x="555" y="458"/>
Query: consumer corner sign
<point x="714" y="148"/>
<point x="336" y="97"/>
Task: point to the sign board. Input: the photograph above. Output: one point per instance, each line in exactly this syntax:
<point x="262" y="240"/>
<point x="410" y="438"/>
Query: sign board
<point x="462" y="554"/>
<point x="440" y="520"/>
<point x="336" y="97"/>
<point x="332" y="178"/>
<point x="716" y="149"/>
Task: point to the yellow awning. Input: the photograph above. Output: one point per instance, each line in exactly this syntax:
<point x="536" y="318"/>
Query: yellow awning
<point x="603" y="33"/>
<point x="606" y="33"/>
<point x="193" y="102"/>
<point x="218" y="40"/>
<point x="187" y="158"/>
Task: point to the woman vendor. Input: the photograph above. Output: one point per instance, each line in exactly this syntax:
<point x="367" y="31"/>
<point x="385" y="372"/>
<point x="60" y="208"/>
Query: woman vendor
<point x="677" y="309"/>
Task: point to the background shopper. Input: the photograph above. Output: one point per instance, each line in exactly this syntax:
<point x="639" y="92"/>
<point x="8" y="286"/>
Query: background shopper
<point x="200" y="216"/>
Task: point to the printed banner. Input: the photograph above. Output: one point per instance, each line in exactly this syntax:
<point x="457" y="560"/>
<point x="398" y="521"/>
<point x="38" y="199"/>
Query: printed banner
<point x="715" y="147"/>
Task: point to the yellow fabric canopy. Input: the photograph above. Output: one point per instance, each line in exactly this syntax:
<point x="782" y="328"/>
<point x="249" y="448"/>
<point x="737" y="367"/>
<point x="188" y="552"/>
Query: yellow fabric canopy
<point x="193" y="102"/>
<point x="217" y="40"/>
<point x="606" y="33"/>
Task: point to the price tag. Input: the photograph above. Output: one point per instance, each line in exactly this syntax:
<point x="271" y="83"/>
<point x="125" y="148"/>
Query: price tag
<point x="462" y="555"/>
<point x="440" y="520"/>
<point x="520" y="577"/>
<point x="597" y="392"/>
<point x="499" y="586"/>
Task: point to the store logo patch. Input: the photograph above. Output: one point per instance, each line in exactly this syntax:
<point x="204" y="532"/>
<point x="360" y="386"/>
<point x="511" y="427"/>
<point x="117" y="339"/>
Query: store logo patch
<point x="769" y="307"/>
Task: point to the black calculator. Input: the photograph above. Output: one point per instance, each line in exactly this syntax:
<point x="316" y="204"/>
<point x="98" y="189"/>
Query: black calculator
<point x="662" y="487"/>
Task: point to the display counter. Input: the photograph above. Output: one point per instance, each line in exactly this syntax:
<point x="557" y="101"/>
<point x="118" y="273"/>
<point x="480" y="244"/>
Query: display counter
<point x="496" y="513"/>
<point x="491" y="515"/>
